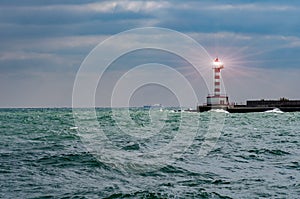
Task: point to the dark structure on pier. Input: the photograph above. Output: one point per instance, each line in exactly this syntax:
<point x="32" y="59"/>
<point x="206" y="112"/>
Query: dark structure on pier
<point x="283" y="104"/>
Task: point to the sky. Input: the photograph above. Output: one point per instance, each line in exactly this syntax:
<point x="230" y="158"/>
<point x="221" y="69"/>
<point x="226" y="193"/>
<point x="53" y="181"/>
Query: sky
<point x="44" y="43"/>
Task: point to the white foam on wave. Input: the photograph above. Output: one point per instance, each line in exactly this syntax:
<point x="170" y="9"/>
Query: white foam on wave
<point x="218" y="111"/>
<point x="73" y="128"/>
<point x="275" y="110"/>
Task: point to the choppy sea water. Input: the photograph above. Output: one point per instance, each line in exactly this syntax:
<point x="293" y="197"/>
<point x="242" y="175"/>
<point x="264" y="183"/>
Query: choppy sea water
<point x="42" y="155"/>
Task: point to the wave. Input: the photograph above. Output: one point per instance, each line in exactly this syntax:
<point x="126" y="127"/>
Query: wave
<point x="218" y="111"/>
<point x="275" y="110"/>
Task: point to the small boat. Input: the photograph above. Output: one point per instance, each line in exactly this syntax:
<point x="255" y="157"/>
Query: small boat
<point x="157" y="106"/>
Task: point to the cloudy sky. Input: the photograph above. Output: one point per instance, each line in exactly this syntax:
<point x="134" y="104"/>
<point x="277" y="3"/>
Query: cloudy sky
<point x="43" y="43"/>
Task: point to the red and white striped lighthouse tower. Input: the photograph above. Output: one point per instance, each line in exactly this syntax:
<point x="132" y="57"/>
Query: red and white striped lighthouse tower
<point x="217" y="76"/>
<point x="217" y="99"/>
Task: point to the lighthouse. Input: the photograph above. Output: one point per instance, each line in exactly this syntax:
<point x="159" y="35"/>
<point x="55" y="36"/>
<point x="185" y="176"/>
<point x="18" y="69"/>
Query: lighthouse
<point x="216" y="99"/>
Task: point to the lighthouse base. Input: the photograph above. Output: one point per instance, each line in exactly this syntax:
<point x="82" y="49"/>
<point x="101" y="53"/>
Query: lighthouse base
<point x="210" y="107"/>
<point x="217" y="100"/>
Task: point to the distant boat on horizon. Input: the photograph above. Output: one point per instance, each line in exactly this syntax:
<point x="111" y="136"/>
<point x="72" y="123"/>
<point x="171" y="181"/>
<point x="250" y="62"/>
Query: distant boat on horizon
<point x="153" y="106"/>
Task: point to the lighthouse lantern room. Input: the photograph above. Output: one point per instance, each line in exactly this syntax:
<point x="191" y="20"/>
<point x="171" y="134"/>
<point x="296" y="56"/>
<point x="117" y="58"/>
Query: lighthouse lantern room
<point x="217" y="99"/>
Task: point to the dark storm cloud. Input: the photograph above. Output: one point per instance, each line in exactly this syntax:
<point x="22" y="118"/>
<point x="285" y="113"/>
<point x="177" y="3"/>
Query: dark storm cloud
<point x="17" y="31"/>
<point x="42" y="3"/>
<point x="59" y="18"/>
<point x="259" y="18"/>
<point x="28" y="22"/>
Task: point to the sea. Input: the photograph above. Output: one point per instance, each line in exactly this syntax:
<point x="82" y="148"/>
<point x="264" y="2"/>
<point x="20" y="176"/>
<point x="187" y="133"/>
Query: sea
<point x="141" y="153"/>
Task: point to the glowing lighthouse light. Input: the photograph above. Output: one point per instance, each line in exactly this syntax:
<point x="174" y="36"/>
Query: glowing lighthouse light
<point x="217" y="63"/>
<point x="217" y="98"/>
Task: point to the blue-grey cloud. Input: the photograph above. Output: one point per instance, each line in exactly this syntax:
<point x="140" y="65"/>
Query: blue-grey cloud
<point x="246" y="19"/>
<point x="42" y="3"/>
<point x="110" y="17"/>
